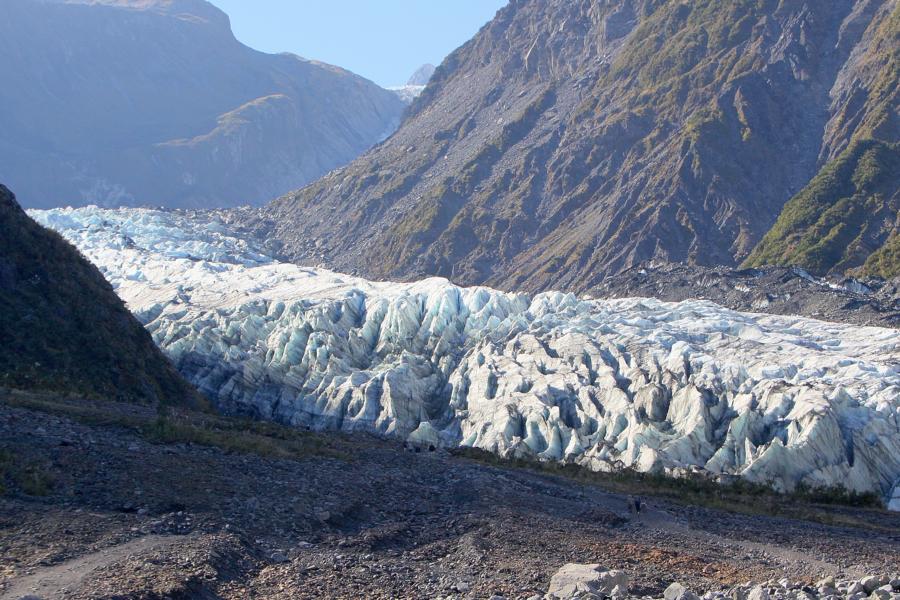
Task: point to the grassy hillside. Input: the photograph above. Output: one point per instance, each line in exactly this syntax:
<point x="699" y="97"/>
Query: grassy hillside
<point x="62" y="327"/>
<point x="847" y="217"/>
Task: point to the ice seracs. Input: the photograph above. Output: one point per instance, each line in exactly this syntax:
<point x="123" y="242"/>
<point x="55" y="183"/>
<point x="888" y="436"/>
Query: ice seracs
<point x="604" y="383"/>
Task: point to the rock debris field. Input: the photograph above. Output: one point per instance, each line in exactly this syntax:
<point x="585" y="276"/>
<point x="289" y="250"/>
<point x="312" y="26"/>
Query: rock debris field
<point x="119" y="514"/>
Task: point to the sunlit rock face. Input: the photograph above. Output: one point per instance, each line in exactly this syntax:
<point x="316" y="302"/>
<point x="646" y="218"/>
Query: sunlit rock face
<point x="605" y="383"/>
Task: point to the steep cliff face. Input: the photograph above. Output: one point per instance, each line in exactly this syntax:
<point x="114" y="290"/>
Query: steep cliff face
<point x="848" y="217"/>
<point x="63" y="328"/>
<point x="127" y="102"/>
<point x="572" y="139"/>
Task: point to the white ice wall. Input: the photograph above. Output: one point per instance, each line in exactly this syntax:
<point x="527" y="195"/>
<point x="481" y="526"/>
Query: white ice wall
<point x="605" y="383"/>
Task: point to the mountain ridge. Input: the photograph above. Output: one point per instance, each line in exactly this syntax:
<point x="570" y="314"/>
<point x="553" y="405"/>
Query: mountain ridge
<point x="569" y="141"/>
<point x="157" y="103"/>
<point x="62" y="327"/>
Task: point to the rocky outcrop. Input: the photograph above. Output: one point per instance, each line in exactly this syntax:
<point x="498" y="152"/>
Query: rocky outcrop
<point x="131" y="102"/>
<point x="675" y="388"/>
<point x="62" y="327"/>
<point x="570" y="140"/>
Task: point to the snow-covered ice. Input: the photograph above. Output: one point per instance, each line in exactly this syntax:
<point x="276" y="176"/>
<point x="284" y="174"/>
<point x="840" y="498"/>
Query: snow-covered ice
<point x="605" y="383"/>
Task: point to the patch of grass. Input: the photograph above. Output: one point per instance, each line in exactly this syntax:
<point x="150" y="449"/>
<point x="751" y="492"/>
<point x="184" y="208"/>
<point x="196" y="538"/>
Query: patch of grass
<point x="238" y="435"/>
<point x="6" y="462"/>
<point x="738" y="496"/>
<point x="818" y="227"/>
<point x="33" y="478"/>
<point x="182" y="426"/>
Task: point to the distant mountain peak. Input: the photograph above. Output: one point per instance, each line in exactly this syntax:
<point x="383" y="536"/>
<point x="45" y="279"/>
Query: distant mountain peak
<point x="422" y="75"/>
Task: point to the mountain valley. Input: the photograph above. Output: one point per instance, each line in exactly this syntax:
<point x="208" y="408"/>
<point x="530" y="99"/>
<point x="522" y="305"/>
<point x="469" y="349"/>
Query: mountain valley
<point x="605" y="306"/>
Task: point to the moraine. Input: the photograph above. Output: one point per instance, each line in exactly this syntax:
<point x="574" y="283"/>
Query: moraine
<point x="608" y="384"/>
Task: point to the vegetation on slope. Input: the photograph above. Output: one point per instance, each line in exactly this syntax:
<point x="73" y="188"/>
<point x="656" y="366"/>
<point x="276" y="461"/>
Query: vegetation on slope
<point x="62" y="327"/>
<point x="885" y="262"/>
<point x="848" y="216"/>
<point x="569" y="140"/>
<point x="849" y="210"/>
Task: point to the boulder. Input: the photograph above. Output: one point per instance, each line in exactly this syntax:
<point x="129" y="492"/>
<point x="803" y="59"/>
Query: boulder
<point x="870" y="583"/>
<point x="676" y="591"/>
<point x="884" y="592"/>
<point x="575" y="578"/>
<point x="758" y="593"/>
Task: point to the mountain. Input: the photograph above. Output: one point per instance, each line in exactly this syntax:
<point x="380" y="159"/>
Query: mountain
<point x="848" y="217"/>
<point x="570" y="140"/>
<point x="415" y="85"/>
<point x="130" y="102"/>
<point x="607" y="384"/>
<point x="63" y="328"/>
<point x="422" y="75"/>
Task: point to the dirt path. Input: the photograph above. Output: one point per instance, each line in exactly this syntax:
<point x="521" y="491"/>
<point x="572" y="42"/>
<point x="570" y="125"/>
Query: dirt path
<point x="49" y="582"/>
<point x="666" y="521"/>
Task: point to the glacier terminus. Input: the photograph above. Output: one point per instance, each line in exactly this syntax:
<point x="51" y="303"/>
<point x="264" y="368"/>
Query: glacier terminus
<point x="608" y="384"/>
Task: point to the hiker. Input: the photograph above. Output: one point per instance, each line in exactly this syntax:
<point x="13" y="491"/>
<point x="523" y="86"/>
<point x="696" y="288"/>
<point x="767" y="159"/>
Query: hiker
<point x="637" y="505"/>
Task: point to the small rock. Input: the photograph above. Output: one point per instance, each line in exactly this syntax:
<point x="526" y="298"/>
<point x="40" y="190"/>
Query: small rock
<point x="870" y="583"/>
<point x="827" y="582"/>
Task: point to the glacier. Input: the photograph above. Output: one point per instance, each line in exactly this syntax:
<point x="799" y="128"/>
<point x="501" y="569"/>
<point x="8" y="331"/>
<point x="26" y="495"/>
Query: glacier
<point x="680" y="388"/>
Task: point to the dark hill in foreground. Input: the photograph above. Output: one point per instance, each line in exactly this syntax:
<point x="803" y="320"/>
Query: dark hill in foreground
<point x="62" y="327"/>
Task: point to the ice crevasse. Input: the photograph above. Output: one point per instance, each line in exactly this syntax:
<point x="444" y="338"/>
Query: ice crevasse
<point x="674" y="387"/>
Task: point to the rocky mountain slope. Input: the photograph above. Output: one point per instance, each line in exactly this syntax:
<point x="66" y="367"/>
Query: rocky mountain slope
<point x="62" y="327"/>
<point x="608" y="384"/>
<point x="848" y="217"/>
<point x="129" y="102"/>
<point x="569" y="140"/>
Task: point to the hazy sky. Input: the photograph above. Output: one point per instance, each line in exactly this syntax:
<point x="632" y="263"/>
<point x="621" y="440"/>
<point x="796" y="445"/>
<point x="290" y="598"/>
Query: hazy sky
<point x="383" y="40"/>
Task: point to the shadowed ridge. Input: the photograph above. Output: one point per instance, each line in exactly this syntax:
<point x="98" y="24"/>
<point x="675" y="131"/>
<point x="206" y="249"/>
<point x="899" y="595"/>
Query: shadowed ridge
<point x="63" y="328"/>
